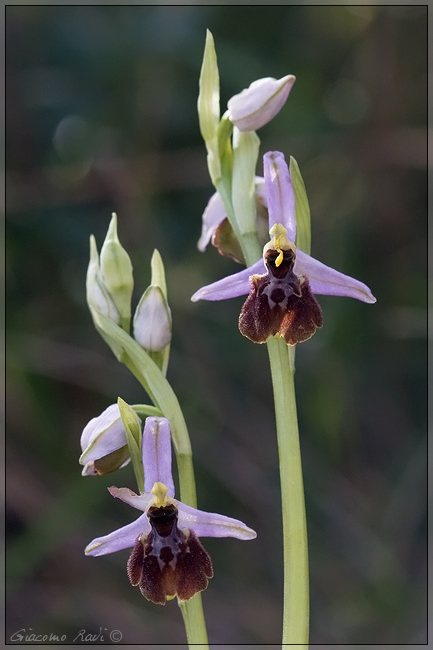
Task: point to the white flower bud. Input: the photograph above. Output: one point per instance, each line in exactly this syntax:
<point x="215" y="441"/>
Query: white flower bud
<point x="152" y="320"/>
<point x="103" y="443"/>
<point x="257" y="105"/>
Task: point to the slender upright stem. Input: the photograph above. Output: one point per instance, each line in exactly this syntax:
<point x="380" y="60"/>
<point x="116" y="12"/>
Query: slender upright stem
<point x="296" y="591"/>
<point x="295" y="547"/>
<point x="195" y="626"/>
<point x="192" y="610"/>
<point x="185" y="468"/>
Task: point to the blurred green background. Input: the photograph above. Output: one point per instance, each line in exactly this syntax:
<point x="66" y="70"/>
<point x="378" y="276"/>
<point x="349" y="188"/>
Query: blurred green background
<point x="101" y="117"/>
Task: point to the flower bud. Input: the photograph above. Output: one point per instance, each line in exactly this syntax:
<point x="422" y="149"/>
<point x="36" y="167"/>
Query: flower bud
<point x="104" y="443"/>
<point x="98" y="296"/>
<point x="116" y="269"/>
<point x="260" y="102"/>
<point x="152" y="320"/>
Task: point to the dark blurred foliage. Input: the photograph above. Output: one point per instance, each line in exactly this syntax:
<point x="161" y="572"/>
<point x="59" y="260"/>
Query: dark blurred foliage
<point x="101" y="117"/>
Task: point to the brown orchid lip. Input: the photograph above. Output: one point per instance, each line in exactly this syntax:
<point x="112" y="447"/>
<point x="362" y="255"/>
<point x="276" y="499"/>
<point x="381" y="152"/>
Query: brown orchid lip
<point x="168" y="562"/>
<point x="280" y="303"/>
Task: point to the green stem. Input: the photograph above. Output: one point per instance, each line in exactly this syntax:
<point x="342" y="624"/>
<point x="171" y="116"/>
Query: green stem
<point x="195" y="626"/>
<point x="192" y="610"/>
<point x="248" y="240"/>
<point x="296" y="592"/>
<point x="145" y="410"/>
<point x="128" y="362"/>
<point x="224" y="190"/>
<point x="295" y="548"/>
<point x="186" y="478"/>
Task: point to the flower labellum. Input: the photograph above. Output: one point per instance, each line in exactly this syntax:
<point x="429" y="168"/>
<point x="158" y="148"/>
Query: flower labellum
<point x="260" y="102"/>
<point x="167" y="558"/>
<point x="280" y="302"/>
<point x="168" y="562"/>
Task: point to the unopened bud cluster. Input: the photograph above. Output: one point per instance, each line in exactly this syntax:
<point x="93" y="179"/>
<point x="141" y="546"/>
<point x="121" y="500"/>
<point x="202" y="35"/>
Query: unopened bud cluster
<point x="110" y="283"/>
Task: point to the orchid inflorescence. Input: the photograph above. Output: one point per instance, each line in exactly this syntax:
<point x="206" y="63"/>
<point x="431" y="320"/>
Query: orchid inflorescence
<point x="263" y="222"/>
<point x="167" y="558"/>
<point x="282" y="283"/>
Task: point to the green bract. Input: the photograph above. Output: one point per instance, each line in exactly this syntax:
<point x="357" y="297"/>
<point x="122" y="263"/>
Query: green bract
<point x="131" y="424"/>
<point x="208" y="106"/>
<point x="302" y="208"/>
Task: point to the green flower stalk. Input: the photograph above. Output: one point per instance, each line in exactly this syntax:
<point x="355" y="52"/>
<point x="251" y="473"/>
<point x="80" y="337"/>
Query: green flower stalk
<point x="245" y="153"/>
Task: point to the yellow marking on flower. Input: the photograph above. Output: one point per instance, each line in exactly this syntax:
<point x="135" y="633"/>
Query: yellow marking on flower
<point x="159" y="490"/>
<point x="92" y="548"/>
<point x="279" y="242"/>
<point x="279" y="258"/>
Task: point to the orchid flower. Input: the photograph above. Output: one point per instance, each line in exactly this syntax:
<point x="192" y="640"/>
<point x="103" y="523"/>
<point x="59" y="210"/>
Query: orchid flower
<point x="103" y="443"/>
<point x="167" y="558"/>
<point x="282" y="284"/>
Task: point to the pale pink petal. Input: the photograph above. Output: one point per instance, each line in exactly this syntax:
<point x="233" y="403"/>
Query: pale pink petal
<point x="231" y="286"/>
<point x="119" y="539"/>
<point x="209" y="524"/>
<point x="260" y="102"/>
<point x="157" y="454"/>
<point x="213" y="215"/>
<point x="327" y="281"/>
<point x="139" y="501"/>
<point x="279" y="190"/>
